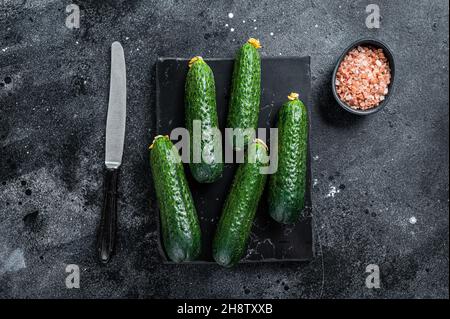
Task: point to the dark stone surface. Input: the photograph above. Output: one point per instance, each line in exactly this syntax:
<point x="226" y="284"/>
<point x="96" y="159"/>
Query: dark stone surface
<point x="388" y="167"/>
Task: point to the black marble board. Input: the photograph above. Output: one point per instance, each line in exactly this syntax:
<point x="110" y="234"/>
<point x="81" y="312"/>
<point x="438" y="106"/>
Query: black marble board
<point x="269" y="240"/>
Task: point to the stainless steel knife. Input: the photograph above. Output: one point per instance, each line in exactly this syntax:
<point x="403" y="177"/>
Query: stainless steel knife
<point x="115" y="135"/>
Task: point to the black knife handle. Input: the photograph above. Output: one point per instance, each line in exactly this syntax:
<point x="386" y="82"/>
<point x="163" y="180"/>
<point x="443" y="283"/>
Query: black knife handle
<point x="106" y="236"/>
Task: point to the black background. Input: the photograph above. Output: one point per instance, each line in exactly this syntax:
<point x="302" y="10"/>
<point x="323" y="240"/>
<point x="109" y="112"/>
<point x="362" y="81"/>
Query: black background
<point x="389" y="167"/>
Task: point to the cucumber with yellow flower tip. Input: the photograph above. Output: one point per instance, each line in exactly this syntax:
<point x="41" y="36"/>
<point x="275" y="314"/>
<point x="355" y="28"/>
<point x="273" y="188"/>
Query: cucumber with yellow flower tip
<point x="243" y="111"/>
<point x="200" y="105"/>
<point x="179" y="221"/>
<point x="287" y="187"/>
<point x="233" y="230"/>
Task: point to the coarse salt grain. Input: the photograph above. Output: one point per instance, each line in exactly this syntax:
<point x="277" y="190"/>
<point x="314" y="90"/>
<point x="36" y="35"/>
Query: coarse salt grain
<point x="363" y="78"/>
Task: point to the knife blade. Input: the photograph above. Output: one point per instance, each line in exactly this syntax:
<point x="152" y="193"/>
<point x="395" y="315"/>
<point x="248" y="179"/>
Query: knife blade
<point x="115" y="136"/>
<point x="115" y="123"/>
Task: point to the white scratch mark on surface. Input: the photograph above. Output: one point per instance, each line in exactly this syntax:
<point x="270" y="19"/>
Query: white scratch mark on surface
<point x="332" y="192"/>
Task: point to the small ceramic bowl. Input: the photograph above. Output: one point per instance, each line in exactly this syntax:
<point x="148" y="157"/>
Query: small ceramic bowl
<point x="389" y="56"/>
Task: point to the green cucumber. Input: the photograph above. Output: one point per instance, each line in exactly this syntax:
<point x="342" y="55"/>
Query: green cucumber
<point x="230" y="241"/>
<point x="179" y="221"/>
<point x="245" y="91"/>
<point x="287" y="187"/>
<point x="200" y="103"/>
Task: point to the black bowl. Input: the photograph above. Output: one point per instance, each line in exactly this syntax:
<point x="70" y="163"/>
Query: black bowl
<point x="389" y="56"/>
